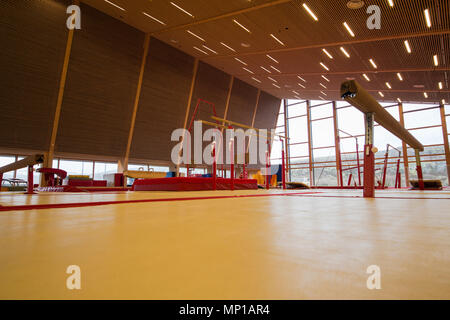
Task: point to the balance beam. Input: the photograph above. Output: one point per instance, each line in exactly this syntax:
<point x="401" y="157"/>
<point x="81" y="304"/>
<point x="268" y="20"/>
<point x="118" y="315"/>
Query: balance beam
<point x="356" y="95"/>
<point x="29" y="162"/>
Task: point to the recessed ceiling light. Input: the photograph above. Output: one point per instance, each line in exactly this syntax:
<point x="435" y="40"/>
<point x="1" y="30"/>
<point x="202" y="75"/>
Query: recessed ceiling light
<point x="436" y="60"/>
<point x="249" y="71"/>
<point x="427" y="17"/>
<point x="388" y="85"/>
<point x="257" y="80"/>
<point x="345" y="52"/>
<point x="271" y="58"/>
<point x="115" y="5"/>
<point x="275" y="85"/>
<point x="399" y="100"/>
<point x="151" y="17"/>
<point x="408" y="48"/>
<point x="301" y="79"/>
<point x="245" y="45"/>
<point x="270" y="78"/>
<point x="310" y="12"/>
<point x="237" y="59"/>
<point x="209" y="49"/>
<point x="277" y="40"/>
<point x="327" y="53"/>
<point x="366" y="77"/>
<point x="399" y="75"/>
<point x="381" y="94"/>
<point x="240" y="25"/>
<point x="325" y="78"/>
<point x="443" y="101"/>
<point x="181" y="9"/>
<point x="425" y="95"/>
<point x="227" y="46"/>
<point x="323" y="85"/>
<point x="267" y="70"/>
<point x="297" y="97"/>
<point x="301" y="85"/>
<point x="324" y="66"/>
<point x="391" y="2"/>
<point x="348" y="29"/>
<point x="275" y="69"/>
<point x="198" y="49"/>
<point x="419" y="86"/>
<point x="195" y="35"/>
<point x="373" y="63"/>
<point x="323" y="93"/>
<point x="321" y="98"/>
<point x="295" y="92"/>
<point x="440" y="85"/>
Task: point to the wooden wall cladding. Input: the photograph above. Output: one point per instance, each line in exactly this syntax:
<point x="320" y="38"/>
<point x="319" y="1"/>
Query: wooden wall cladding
<point x="101" y="86"/>
<point x="211" y="85"/>
<point x="267" y="113"/>
<point x="33" y="37"/>
<point x="242" y="103"/>
<point x="162" y="106"/>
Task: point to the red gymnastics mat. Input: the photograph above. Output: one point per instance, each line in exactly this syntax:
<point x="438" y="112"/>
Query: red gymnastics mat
<point x="191" y="184"/>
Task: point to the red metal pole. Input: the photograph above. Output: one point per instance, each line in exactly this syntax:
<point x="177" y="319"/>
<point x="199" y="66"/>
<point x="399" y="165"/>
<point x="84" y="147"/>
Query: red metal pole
<point x="396" y="174"/>
<point x="369" y="159"/>
<point x="30" y="180"/>
<point x="419" y="171"/>
<point x="350" y="179"/>
<point x="1" y="179"/>
<point x="267" y="166"/>
<point x="358" y="163"/>
<point x="283" y="169"/>
<point x="214" y="166"/>
<point x="386" y="157"/>
<point x="232" y="164"/>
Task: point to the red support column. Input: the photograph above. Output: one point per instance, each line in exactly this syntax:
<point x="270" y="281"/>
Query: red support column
<point x="350" y="179"/>
<point x="419" y="170"/>
<point x="386" y="158"/>
<point x="1" y="179"/>
<point x="232" y="162"/>
<point x="369" y="159"/>
<point x="446" y="142"/>
<point x="337" y="146"/>
<point x="310" y="143"/>
<point x="267" y="165"/>
<point x="30" y="189"/>
<point x="283" y="170"/>
<point x="214" y="166"/>
<point x="397" y="174"/>
<point x="358" y="163"/>
<point x="404" y="146"/>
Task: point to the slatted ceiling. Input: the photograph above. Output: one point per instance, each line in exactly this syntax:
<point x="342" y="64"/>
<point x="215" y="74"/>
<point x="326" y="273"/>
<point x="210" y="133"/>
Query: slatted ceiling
<point x="211" y="85"/>
<point x="30" y="70"/>
<point x="164" y="11"/>
<point x="101" y="86"/>
<point x="267" y="113"/>
<point x="162" y="105"/>
<point x="242" y="103"/>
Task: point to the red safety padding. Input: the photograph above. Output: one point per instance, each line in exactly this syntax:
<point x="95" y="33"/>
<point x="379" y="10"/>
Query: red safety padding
<point x="192" y="184"/>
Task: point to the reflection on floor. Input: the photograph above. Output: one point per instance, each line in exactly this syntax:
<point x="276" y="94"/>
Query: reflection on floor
<point x="313" y="244"/>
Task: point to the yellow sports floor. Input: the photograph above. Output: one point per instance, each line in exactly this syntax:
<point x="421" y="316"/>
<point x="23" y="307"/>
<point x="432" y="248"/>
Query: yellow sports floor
<point x="315" y="245"/>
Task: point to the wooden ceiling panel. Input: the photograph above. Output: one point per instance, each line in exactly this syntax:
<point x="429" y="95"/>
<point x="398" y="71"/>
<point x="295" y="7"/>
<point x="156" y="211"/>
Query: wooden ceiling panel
<point x="303" y="39"/>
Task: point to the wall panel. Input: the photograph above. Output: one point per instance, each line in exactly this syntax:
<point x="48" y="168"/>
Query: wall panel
<point x="101" y="86"/>
<point x="211" y="85"/>
<point x="162" y="106"/>
<point x="267" y="113"/>
<point x="242" y="102"/>
<point x="33" y="37"/>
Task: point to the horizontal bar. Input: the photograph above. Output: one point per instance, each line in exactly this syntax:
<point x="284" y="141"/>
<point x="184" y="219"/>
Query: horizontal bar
<point x="427" y="127"/>
<point x="423" y="109"/>
<point x="322" y="104"/>
<point x="325" y="118"/>
<point x="297" y="143"/>
<point x="300" y="116"/>
<point x="317" y="148"/>
<point x="296" y="103"/>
